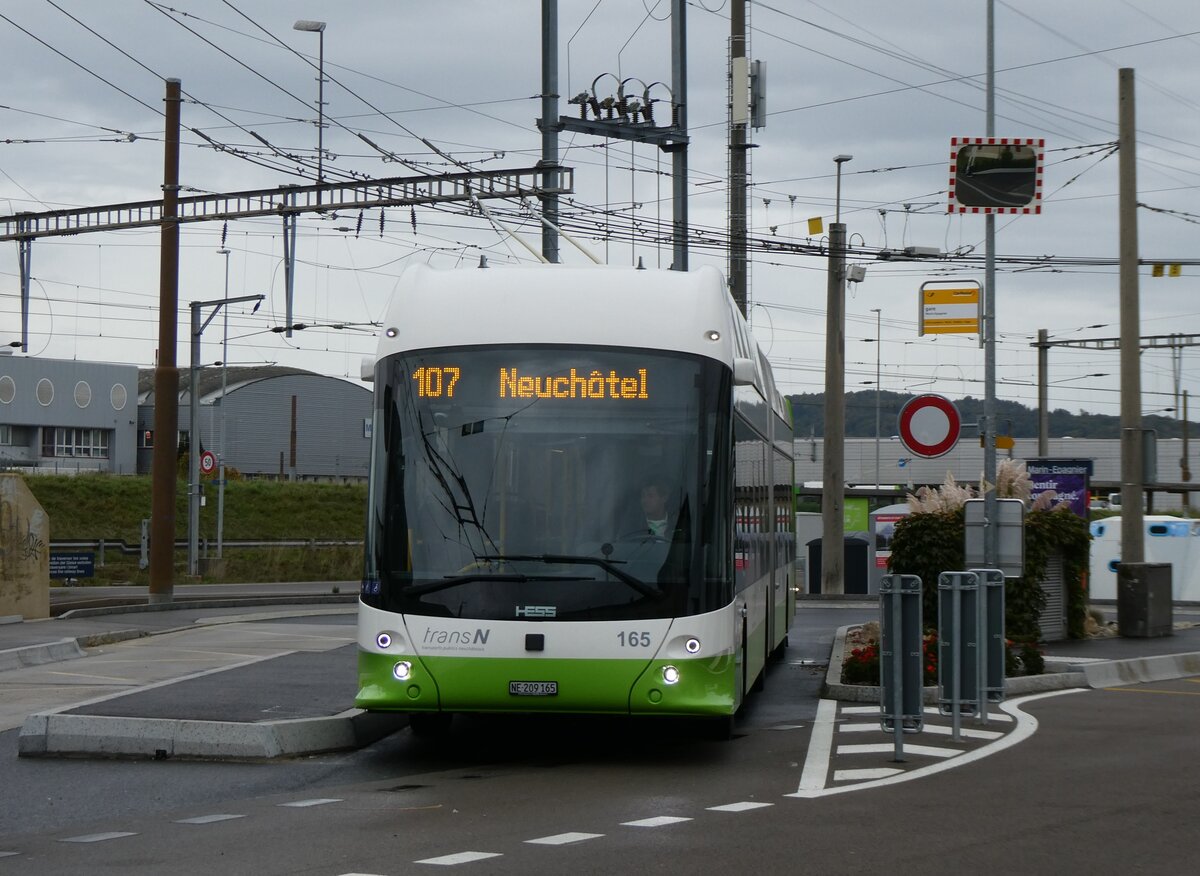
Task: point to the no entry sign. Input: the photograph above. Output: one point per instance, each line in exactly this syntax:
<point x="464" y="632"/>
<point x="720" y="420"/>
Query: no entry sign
<point x="929" y="425"/>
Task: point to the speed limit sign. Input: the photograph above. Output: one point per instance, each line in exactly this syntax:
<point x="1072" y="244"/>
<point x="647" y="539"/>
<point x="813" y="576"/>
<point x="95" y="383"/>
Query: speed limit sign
<point x="208" y="462"/>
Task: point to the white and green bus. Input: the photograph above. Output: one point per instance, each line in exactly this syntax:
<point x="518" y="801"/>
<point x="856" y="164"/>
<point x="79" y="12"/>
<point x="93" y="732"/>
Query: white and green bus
<point x="521" y="416"/>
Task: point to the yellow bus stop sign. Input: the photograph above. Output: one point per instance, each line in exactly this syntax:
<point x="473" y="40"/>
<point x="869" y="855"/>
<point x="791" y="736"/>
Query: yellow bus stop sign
<point x="949" y="311"/>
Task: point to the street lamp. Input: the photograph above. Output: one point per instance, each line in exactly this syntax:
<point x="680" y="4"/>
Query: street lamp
<point x="198" y="328"/>
<point x="837" y="208"/>
<point x="318" y="27"/>
<point x="833" y="469"/>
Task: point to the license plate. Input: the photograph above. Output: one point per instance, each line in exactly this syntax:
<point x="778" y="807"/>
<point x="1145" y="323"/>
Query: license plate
<point x="533" y="688"/>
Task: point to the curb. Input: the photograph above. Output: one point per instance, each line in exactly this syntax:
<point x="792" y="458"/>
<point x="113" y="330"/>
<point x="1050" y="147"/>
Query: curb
<point x="71" y="649"/>
<point x="1115" y="673"/>
<point x="186" y="604"/>
<point x="53" y="734"/>
<point x="37" y="655"/>
<point x="1110" y="673"/>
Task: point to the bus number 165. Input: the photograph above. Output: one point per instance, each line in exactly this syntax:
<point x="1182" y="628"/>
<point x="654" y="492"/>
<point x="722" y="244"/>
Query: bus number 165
<point x="634" y="640"/>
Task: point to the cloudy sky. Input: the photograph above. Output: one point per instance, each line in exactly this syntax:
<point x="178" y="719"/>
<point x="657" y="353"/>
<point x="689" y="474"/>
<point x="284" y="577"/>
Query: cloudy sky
<point x="888" y="83"/>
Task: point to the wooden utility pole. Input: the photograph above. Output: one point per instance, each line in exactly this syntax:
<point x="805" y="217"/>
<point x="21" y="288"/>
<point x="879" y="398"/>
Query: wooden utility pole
<point x="166" y="373"/>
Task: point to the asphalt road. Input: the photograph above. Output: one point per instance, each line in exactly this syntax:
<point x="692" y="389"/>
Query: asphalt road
<point x="1104" y="781"/>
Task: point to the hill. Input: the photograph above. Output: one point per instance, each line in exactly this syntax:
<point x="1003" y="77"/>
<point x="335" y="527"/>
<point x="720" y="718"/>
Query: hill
<point x="1014" y="419"/>
<point x="111" y="507"/>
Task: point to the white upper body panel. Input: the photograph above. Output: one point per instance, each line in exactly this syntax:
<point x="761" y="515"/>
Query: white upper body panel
<point x="592" y="306"/>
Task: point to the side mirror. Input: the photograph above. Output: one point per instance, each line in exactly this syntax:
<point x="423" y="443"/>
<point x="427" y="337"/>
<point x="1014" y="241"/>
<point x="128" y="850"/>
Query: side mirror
<point x="743" y="372"/>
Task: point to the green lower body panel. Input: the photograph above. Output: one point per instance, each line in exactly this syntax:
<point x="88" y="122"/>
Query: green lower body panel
<point x="705" y="687"/>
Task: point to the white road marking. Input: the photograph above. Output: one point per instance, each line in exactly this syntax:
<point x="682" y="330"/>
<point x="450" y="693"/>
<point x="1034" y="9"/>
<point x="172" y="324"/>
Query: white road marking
<point x="864" y="775"/>
<point x="1026" y="725"/>
<point x="563" y="839"/>
<point x="657" y="821"/>
<point x="969" y="732"/>
<point x="820" y="744"/>
<point x="744" y="806"/>
<point x="885" y="747"/>
<point x="928" y="710"/>
<point x="207" y="819"/>
<point x="96" y="837"/>
<point x="937" y="729"/>
<point x="319" y="801"/>
<point x="992" y="716"/>
<point x="8" y="854"/>
<point x="459" y="858"/>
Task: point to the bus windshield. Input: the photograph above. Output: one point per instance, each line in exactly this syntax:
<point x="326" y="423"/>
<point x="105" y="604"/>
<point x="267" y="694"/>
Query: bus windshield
<point x="549" y="482"/>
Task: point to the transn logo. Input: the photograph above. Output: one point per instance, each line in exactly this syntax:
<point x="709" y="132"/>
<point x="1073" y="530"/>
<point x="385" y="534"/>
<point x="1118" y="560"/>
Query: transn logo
<point x="537" y="611"/>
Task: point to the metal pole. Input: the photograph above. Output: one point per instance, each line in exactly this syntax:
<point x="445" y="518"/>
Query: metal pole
<point x="1184" y="464"/>
<point x="738" y="119"/>
<point x="1132" y="533"/>
<point x="224" y="387"/>
<point x="549" y="127"/>
<point x="679" y="159"/>
<point x="194" y="446"/>
<point x="320" y="110"/>
<point x="166" y="374"/>
<point x="289" y="262"/>
<point x="956" y="650"/>
<point x="987" y="426"/>
<point x="1043" y="393"/>
<point x="24" y="259"/>
<point x="898" y="675"/>
<point x="878" y="378"/>
<point x="833" y="468"/>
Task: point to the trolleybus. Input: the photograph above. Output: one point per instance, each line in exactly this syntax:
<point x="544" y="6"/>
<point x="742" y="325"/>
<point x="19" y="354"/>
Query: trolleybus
<point x="580" y="501"/>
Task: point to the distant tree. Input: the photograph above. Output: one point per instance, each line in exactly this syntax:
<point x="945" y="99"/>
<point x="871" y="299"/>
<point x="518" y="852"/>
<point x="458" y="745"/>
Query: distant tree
<point x="808" y="411"/>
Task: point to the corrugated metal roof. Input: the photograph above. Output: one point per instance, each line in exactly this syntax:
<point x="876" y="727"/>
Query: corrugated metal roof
<point x="210" y="379"/>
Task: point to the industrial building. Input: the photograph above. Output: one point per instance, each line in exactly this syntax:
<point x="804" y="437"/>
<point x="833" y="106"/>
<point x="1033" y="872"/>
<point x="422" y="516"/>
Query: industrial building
<point x="69" y="417"/>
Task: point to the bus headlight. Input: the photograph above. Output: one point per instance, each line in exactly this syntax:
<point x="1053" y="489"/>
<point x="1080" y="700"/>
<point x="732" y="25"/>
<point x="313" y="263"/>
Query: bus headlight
<point x="670" y="675"/>
<point x="402" y="670"/>
<point x="692" y="645"/>
<point x="383" y="641"/>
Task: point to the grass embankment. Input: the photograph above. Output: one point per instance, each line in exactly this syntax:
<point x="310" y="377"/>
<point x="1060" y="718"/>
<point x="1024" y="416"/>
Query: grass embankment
<point x="109" y="507"/>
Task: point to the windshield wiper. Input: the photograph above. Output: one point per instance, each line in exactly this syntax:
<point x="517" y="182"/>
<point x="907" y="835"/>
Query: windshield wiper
<point x="455" y="580"/>
<point x="578" y="559"/>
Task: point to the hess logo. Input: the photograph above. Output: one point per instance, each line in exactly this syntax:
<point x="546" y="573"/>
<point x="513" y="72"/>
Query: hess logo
<point x="536" y="611"/>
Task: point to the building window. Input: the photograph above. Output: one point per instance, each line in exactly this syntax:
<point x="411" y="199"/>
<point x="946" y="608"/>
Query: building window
<point x="44" y="392"/>
<point x="6" y="435"/>
<point x="67" y="442"/>
<point x="146" y="439"/>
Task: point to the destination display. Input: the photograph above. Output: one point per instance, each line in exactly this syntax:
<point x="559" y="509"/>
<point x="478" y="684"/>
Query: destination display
<point x="440" y="381"/>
